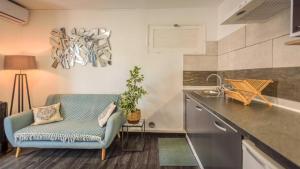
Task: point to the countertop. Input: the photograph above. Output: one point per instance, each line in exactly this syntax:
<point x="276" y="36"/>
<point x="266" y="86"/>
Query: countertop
<point x="274" y="130"/>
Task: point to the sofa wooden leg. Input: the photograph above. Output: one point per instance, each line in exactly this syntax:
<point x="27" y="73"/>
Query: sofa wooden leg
<point x="103" y="154"/>
<point x="18" y="152"/>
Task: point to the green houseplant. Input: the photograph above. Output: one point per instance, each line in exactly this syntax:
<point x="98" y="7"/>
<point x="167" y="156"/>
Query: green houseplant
<point x="131" y="97"/>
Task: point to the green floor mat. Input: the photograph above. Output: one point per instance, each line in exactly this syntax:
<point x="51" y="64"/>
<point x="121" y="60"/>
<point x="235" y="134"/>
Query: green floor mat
<point x="175" y="152"/>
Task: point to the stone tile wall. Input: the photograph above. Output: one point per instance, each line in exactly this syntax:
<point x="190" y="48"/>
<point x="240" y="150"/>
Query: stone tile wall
<point x="255" y="51"/>
<point x="258" y="51"/>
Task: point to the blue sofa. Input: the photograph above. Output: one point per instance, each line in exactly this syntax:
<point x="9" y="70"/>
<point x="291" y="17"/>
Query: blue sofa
<point x="78" y="130"/>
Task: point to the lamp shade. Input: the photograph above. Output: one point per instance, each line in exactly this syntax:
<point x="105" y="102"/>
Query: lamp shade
<point x="19" y="62"/>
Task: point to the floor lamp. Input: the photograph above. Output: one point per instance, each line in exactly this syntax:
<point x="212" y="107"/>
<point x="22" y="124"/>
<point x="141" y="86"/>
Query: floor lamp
<point x="20" y="62"/>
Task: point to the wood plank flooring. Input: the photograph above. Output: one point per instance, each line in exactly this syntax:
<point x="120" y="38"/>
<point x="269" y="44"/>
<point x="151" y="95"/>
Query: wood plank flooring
<point x="89" y="159"/>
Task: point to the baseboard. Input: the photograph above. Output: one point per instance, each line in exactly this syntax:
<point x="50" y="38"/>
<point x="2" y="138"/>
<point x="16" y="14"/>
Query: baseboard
<point x="194" y="151"/>
<point x="160" y="131"/>
<point x="167" y="131"/>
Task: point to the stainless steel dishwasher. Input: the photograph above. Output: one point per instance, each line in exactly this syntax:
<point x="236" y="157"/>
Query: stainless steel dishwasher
<point x="217" y="144"/>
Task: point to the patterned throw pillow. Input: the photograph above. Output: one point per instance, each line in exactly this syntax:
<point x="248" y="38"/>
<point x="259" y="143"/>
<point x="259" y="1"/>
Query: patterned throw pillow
<point x="104" y="116"/>
<point x="46" y="114"/>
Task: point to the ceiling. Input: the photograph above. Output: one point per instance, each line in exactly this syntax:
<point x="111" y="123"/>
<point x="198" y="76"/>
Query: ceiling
<point x="116" y="4"/>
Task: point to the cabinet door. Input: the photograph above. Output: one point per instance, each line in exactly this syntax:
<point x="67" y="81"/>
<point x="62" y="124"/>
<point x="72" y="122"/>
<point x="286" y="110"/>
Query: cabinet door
<point x="217" y="144"/>
<point x="226" y="145"/>
<point x="197" y="123"/>
<point x="191" y="122"/>
<point x="189" y="39"/>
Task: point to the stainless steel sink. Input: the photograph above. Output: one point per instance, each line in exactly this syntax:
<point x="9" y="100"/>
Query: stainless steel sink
<point x="208" y="93"/>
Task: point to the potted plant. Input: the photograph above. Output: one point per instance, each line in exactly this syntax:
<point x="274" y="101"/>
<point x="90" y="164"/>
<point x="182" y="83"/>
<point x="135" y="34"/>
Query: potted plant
<point x="131" y="97"/>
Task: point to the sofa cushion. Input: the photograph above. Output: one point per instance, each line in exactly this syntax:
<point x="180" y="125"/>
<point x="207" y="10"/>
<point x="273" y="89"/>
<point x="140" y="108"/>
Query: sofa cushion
<point x="65" y="131"/>
<point x="104" y="116"/>
<point x="46" y="114"/>
<point x="82" y="106"/>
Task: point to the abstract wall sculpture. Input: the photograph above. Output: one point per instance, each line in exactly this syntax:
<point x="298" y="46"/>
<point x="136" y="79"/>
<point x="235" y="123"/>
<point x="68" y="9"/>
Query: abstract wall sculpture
<point x="81" y="46"/>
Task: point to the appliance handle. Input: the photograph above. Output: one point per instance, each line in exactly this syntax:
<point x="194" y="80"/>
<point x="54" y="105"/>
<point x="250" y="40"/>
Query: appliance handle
<point x="219" y="119"/>
<point x="219" y="127"/>
<point x="199" y="108"/>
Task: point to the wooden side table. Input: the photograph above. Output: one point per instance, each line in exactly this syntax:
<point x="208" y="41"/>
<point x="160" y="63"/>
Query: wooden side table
<point x="124" y="141"/>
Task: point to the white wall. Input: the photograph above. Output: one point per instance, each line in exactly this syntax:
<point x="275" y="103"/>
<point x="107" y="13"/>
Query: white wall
<point x="163" y="72"/>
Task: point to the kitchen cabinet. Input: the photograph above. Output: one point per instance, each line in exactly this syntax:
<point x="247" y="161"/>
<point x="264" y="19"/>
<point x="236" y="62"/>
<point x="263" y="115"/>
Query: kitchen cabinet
<point x="217" y="144"/>
<point x="187" y="39"/>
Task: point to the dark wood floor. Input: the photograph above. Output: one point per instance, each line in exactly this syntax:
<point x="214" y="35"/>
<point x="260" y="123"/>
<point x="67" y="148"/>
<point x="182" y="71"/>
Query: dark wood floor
<point x="89" y="159"/>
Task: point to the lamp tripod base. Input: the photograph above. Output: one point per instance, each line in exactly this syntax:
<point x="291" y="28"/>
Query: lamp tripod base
<point x="19" y="80"/>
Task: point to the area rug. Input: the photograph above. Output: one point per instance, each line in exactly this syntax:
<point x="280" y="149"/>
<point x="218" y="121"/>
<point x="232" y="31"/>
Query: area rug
<point x="175" y="152"/>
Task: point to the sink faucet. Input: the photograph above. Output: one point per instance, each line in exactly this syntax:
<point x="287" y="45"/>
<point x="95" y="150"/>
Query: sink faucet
<point x="220" y="86"/>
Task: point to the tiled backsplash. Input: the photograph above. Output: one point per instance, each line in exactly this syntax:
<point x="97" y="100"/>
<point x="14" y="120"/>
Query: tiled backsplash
<point x="198" y="67"/>
<point x="198" y="78"/>
<point x="206" y="62"/>
<point x="285" y="86"/>
<point x="260" y="45"/>
<point x="256" y="51"/>
<point x="286" y="80"/>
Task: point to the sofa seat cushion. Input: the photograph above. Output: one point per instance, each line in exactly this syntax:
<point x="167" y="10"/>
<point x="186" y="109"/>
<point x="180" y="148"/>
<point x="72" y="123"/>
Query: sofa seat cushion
<point x="65" y="131"/>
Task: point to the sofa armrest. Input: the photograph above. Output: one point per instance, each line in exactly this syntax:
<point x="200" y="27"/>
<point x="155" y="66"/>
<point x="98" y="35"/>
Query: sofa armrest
<point x="16" y="122"/>
<point x="113" y="126"/>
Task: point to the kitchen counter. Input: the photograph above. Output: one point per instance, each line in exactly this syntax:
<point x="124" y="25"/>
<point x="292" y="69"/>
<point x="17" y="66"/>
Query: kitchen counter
<point x="274" y="130"/>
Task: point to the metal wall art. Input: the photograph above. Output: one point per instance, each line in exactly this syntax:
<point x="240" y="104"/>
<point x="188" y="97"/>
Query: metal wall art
<point x="81" y="46"/>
